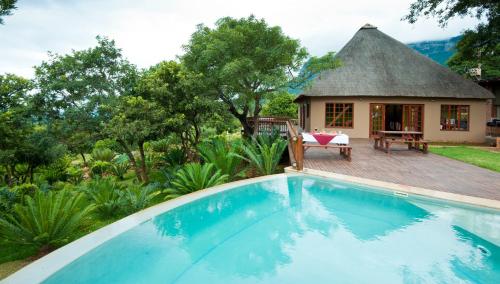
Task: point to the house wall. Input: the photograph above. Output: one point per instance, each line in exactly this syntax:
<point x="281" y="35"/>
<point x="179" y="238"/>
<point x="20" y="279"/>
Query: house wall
<point x="432" y="112"/>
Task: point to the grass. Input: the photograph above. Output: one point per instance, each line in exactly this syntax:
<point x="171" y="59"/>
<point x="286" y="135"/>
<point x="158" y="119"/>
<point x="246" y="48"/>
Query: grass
<point x="479" y="157"/>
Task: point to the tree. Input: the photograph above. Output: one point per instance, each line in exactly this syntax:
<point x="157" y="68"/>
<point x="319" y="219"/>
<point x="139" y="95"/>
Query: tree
<point x="181" y="95"/>
<point x="74" y="87"/>
<point x="134" y="122"/>
<point x="478" y="47"/>
<point x="241" y="61"/>
<point x="282" y="105"/>
<point x="6" y="7"/>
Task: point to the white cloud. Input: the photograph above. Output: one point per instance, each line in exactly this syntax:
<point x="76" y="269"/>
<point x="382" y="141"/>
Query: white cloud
<point x="153" y="30"/>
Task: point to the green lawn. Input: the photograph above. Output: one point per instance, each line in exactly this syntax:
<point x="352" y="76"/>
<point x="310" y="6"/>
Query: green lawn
<point x="481" y="158"/>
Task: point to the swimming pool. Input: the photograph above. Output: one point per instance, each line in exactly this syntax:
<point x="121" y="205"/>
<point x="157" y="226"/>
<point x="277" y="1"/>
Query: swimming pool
<point x="300" y="229"/>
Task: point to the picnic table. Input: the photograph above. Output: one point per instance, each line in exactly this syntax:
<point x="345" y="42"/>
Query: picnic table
<point x="384" y="140"/>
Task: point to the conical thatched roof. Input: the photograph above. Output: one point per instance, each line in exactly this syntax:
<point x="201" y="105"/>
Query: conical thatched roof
<point x="374" y="64"/>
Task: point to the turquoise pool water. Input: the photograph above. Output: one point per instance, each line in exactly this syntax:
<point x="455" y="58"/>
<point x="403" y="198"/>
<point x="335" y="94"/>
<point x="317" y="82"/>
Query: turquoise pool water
<point x="300" y="229"/>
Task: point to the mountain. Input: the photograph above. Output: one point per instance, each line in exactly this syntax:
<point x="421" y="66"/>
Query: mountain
<point x="438" y="50"/>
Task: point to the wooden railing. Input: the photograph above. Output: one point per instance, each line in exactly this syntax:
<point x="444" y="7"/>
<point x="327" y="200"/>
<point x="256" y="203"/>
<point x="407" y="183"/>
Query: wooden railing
<point x="268" y="124"/>
<point x="295" y="147"/>
<point x="493" y="131"/>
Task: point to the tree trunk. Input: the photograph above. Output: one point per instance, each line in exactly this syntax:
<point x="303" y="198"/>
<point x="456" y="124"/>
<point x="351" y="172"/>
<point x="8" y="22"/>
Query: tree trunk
<point x="256" y="112"/>
<point x="84" y="160"/>
<point x="131" y="158"/>
<point x="144" y="170"/>
<point x="30" y="172"/>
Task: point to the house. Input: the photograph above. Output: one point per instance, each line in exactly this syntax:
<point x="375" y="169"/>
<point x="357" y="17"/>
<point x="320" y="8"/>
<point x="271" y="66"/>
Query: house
<point x="385" y="85"/>
<point x="493" y="85"/>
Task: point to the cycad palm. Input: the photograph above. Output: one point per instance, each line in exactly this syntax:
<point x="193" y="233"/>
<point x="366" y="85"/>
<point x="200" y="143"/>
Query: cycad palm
<point x="48" y="219"/>
<point x="264" y="157"/>
<point x="193" y="177"/>
<point x="223" y="156"/>
<point x="105" y="193"/>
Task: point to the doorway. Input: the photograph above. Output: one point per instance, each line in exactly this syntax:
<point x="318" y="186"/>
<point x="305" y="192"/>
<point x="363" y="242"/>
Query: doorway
<point x="393" y="117"/>
<point x="396" y="117"/>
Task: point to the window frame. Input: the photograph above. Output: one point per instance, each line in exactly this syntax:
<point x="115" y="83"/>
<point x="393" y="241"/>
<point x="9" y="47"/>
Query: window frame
<point x="327" y="124"/>
<point x="458" y="114"/>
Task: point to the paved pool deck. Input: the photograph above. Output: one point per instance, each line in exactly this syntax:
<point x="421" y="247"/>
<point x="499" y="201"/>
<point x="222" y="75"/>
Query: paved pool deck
<point x="405" y="167"/>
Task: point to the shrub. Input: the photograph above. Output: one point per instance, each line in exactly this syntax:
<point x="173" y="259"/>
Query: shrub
<point x="192" y="177"/>
<point x="223" y="156"/>
<point x="101" y="167"/>
<point x="56" y="171"/>
<point x="103" y="154"/>
<point x="138" y="197"/>
<point x="7" y="200"/>
<point x="262" y="157"/>
<point x="25" y="189"/>
<point x="107" y="143"/>
<point x="75" y="174"/>
<point x="174" y="157"/>
<point x="47" y="219"/>
<point x="120" y="166"/>
<point x="105" y="193"/>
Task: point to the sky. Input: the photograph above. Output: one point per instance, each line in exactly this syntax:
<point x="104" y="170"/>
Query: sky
<point x="150" y="31"/>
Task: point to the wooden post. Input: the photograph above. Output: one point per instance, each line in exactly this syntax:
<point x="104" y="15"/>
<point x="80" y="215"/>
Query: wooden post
<point x="299" y="153"/>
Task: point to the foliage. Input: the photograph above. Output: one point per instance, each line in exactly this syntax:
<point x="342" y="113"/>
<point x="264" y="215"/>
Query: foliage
<point x="101" y="167"/>
<point x="105" y="194"/>
<point x="477" y="48"/>
<point x="241" y="61"/>
<point x="174" y="157"/>
<point x="73" y="88"/>
<point x="181" y="95"/>
<point x="473" y="51"/>
<point x="136" y="197"/>
<point x="103" y="154"/>
<point x="481" y="158"/>
<point x="57" y="170"/>
<point x="25" y="189"/>
<point x="47" y="219"/>
<point x="6" y="7"/>
<point x="223" y="156"/>
<point x="7" y="200"/>
<point x="130" y="126"/>
<point x="75" y="174"/>
<point x="262" y="156"/>
<point x="120" y="166"/>
<point x="192" y="177"/>
<point x="281" y="105"/>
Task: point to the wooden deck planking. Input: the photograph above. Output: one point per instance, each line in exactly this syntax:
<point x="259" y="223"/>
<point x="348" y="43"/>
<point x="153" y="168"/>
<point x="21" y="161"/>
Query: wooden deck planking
<point x="409" y="168"/>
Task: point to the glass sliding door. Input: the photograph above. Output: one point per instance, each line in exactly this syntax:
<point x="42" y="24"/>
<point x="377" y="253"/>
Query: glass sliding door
<point x="377" y="118"/>
<point x="413" y="118"/>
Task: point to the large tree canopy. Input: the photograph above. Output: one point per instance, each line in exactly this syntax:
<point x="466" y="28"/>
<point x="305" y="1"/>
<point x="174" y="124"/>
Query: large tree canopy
<point x="74" y="87"/>
<point x="22" y="140"/>
<point x="6" y="7"/>
<point x="478" y="47"/>
<point x="182" y="95"/>
<point x="241" y="61"/>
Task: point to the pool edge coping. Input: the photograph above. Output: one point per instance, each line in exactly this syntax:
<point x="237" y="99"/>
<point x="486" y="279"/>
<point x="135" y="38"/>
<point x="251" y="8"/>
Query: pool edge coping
<point x="44" y="267"/>
<point x="398" y="188"/>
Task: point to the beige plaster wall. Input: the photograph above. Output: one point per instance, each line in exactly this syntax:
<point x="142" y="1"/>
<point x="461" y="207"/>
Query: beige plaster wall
<point x="432" y="113"/>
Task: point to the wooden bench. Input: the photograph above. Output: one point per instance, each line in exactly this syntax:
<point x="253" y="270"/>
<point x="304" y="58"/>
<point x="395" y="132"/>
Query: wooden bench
<point x="425" y="146"/>
<point x="345" y="150"/>
<point x="412" y="144"/>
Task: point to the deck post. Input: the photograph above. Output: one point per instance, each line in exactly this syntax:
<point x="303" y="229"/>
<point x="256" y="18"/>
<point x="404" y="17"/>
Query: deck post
<point x="299" y="153"/>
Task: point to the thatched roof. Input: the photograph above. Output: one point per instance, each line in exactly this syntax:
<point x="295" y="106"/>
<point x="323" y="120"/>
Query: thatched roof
<point x="375" y="64"/>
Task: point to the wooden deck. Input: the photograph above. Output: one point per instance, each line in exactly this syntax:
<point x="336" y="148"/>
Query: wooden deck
<point x="408" y="168"/>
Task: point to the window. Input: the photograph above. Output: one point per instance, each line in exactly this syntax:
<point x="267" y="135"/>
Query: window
<point x="339" y="115"/>
<point x="455" y="117"/>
